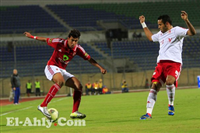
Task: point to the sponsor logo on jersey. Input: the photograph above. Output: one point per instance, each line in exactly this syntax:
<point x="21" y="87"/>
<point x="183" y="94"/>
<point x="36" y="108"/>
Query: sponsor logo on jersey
<point x="64" y="62"/>
<point x="65" y="58"/>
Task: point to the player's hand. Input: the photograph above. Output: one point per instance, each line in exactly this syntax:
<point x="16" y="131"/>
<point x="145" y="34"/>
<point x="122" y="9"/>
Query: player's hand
<point x="142" y="19"/>
<point x="14" y="88"/>
<point x="103" y="71"/>
<point x="27" y="34"/>
<point x="184" y="15"/>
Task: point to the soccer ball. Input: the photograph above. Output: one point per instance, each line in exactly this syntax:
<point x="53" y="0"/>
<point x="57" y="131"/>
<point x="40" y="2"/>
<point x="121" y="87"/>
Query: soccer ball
<point x="54" y="114"/>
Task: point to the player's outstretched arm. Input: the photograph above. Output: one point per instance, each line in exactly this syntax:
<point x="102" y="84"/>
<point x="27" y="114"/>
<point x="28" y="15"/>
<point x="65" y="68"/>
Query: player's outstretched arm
<point x="191" y="30"/>
<point x="93" y="62"/>
<point x="146" y="29"/>
<point x="27" y="34"/>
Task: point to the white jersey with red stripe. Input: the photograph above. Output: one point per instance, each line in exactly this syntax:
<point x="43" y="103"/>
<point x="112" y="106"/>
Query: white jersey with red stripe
<point x="63" y="54"/>
<point x="171" y="43"/>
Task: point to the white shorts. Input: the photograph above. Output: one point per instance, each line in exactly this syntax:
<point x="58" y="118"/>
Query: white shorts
<point x="50" y="70"/>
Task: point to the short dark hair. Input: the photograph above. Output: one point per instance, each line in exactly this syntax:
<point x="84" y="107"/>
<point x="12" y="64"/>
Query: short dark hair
<point x="74" y="33"/>
<point x="165" y="18"/>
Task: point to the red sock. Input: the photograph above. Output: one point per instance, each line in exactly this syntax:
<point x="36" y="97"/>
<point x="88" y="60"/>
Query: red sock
<point x="52" y="92"/>
<point x="77" y="100"/>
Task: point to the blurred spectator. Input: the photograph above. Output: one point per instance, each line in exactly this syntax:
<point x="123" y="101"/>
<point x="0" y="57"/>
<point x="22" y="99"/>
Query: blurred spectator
<point x="124" y="86"/>
<point x="28" y="88"/>
<point x="96" y="87"/>
<point x="88" y="88"/>
<point x="105" y="90"/>
<point x="15" y="81"/>
<point x="37" y="87"/>
<point x="100" y="86"/>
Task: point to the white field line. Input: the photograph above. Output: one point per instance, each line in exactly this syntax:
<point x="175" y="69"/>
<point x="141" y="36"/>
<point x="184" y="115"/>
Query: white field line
<point x="31" y="107"/>
<point x="16" y="110"/>
<point x="58" y="100"/>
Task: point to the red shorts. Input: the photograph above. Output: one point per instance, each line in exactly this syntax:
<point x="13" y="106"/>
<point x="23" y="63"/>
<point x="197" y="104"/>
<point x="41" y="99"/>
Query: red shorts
<point x="164" y="68"/>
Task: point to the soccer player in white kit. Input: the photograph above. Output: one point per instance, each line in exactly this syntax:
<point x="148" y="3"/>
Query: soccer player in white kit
<point x="169" y="61"/>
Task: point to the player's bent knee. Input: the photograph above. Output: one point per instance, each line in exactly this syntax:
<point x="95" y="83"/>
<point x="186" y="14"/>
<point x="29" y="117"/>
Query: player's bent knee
<point x="170" y="80"/>
<point x="80" y="87"/>
<point x="60" y="82"/>
<point x="58" y="79"/>
<point x="156" y="86"/>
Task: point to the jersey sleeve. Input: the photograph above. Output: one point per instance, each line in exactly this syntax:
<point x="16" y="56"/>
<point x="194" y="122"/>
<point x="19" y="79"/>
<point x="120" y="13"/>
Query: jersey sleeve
<point x="181" y="32"/>
<point x="53" y="42"/>
<point x="81" y="52"/>
<point x="155" y="37"/>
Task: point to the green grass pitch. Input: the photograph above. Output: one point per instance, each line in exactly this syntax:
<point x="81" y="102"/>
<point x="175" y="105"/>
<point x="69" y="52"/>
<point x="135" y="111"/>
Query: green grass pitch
<point x="113" y="113"/>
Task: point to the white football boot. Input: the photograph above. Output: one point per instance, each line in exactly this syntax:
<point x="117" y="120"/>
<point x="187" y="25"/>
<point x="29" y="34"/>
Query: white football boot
<point x="44" y="111"/>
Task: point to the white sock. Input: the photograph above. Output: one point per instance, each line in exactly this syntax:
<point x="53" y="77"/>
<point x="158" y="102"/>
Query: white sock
<point x="171" y="93"/>
<point x="151" y="100"/>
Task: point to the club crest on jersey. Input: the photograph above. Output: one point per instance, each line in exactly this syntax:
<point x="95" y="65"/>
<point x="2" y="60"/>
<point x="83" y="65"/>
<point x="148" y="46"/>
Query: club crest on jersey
<point x="50" y="40"/>
<point x="170" y="39"/>
<point x="65" y="58"/>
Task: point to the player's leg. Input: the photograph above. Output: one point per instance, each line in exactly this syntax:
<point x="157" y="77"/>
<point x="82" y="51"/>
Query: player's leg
<point x="155" y="87"/>
<point x="58" y="83"/>
<point x="52" y="73"/>
<point x="151" y="99"/>
<point x="73" y="82"/>
<point x="170" y="87"/>
<point x="173" y="73"/>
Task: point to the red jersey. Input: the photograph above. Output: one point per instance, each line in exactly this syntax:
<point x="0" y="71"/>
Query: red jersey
<point x="63" y="54"/>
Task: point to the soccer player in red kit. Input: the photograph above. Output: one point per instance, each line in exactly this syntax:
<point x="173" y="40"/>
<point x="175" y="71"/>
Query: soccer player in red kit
<point x="64" y="51"/>
<point x="169" y="61"/>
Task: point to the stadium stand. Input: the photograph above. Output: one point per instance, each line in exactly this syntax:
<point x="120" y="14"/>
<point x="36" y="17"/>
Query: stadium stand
<point x="131" y="11"/>
<point x="144" y="53"/>
<point x="31" y="58"/>
<point x="17" y="19"/>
